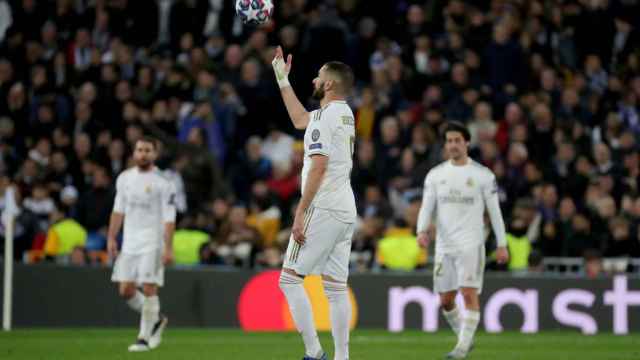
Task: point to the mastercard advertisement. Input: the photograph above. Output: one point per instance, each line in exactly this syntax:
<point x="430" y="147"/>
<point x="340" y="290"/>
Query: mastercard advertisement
<point x="263" y="307"/>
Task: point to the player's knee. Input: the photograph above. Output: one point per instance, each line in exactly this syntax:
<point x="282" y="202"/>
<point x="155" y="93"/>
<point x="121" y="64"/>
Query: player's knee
<point x="333" y="289"/>
<point x="470" y="296"/>
<point x="288" y="278"/>
<point x="448" y="301"/>
<point x="448" y="305"/>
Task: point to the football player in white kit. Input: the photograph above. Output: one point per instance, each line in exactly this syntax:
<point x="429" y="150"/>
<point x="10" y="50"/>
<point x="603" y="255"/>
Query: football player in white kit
<point x="145" y="201"/>
<point x="320" y="242"/>
<point x="459" y="190"/>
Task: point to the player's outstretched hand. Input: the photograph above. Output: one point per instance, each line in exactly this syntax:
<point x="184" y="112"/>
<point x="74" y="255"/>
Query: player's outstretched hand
<point x="502" y="255"/>
<point x="423" y="239"/>
<point x="297" y="231"/>
<point x="112" y="248"/>
<point x="280" y="68"/>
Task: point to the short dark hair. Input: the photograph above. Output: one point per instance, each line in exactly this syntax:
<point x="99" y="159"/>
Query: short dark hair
<point x="149" y="140"/>
<point x="454" y="126"/>
<point x="344" y="73"/>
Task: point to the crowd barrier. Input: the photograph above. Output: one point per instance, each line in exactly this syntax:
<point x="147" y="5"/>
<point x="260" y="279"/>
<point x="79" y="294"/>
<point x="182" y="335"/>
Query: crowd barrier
<point x="58" y="296"/>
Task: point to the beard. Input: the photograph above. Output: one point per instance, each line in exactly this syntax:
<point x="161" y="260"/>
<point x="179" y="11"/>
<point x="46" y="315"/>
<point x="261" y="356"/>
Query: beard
<point x="144" y="164"/>
<point x="318" y="93"/>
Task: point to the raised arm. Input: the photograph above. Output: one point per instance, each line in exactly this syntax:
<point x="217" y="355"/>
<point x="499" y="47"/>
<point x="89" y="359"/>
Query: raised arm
<point x="298" y="114"/>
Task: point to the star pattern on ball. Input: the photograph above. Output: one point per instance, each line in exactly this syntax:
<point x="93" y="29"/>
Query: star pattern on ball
<point x="254" y="11"/>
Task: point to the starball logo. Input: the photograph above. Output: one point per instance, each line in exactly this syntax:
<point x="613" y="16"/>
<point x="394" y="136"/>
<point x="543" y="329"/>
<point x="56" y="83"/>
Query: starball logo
<point x="263" y="307"/>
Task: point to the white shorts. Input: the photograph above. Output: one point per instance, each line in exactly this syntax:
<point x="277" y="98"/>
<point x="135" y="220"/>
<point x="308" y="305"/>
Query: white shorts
<point x="327" y="247"/>
<point x="462" y="269"/>
<point x="141" y="269"/>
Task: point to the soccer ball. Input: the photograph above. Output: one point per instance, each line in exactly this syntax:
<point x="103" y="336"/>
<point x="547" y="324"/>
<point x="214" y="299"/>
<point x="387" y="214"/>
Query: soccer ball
<point x="254" y="12"/>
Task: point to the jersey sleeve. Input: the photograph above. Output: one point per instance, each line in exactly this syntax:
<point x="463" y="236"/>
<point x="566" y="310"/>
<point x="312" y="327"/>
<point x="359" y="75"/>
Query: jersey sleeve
<point x="428" y="204"/>
<point x="320" y="134"/>
<point x="121" y="199"/>
<point x="490" y="195"/>
<point x="169" y="203"/>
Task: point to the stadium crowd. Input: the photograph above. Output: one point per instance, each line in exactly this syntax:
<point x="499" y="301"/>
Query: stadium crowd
<point x="550" y="90"/>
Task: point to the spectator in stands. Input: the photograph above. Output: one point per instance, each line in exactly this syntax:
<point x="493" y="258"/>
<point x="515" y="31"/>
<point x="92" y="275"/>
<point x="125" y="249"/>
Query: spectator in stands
<point x="399" y="249"/>
<point x="535" y="263"/>
<point x="620" y="243"/>
<point x="237" y="240"/>
<point x="59" y="175"/>
<point x="284" y="182"/>
<point x="94" y="209"/>
<point x="593" y="264"/>
<point x="271" y="257"/>
<point x="173" y="174"/>
<point x="26" y="225"/>
<point x="78" y="257"/>
<point x="69" y="201"/>
<point x="551" y="97"/>
<point x="374" y="203"/>
<point x="482" y="127"/>
<point x="188" y="242"/>
<point x="40" y="204"/>
<point x="388" y="150"/>
<point x="264" y="213"/>
<point x="519" y="245"/>
<point x="64" y="236"/>
<point x="253" y="166"/>
<point x="582" y="238"/>
<point x="278" y="146"/>
<point x="364" y="167"/>
<point x="364" y="242"/>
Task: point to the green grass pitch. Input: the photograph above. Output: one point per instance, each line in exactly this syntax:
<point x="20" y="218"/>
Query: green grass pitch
<point x="195" y="344"/>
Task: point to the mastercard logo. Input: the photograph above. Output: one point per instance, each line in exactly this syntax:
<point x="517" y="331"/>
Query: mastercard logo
<point x="263" y="307"/>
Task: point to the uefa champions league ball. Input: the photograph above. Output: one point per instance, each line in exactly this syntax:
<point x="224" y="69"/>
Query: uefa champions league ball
<point x="254" y="12"/>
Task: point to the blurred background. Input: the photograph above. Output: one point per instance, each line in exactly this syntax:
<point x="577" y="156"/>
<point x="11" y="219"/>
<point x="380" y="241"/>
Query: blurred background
<point x="550" y="90"/>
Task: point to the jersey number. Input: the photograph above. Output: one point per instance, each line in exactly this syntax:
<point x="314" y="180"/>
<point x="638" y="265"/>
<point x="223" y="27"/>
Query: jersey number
<point x="438" y="269"/>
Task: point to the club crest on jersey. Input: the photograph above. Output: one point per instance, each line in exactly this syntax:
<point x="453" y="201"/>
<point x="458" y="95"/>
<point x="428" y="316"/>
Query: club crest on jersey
<point x="470" y="182"/>
<point x="147" y="188"/>
<point x="315" y="135"/>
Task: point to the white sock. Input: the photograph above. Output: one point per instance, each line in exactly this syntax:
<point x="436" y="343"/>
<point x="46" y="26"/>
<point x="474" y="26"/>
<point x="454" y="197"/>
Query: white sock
<point x="149" y="316"/>
<point x="340" y="311"/>
<point x="453" y="318"/>
<point x="135" y="302"/>
<point x="301" y="312"/>
<point x="468" y="329"/>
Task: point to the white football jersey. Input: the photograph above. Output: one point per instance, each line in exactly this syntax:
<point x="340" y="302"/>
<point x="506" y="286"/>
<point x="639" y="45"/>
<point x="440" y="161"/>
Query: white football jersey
<point x="331" y="132"/>
<point x="459" y="196"/>
<point x="147" y="200"/>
